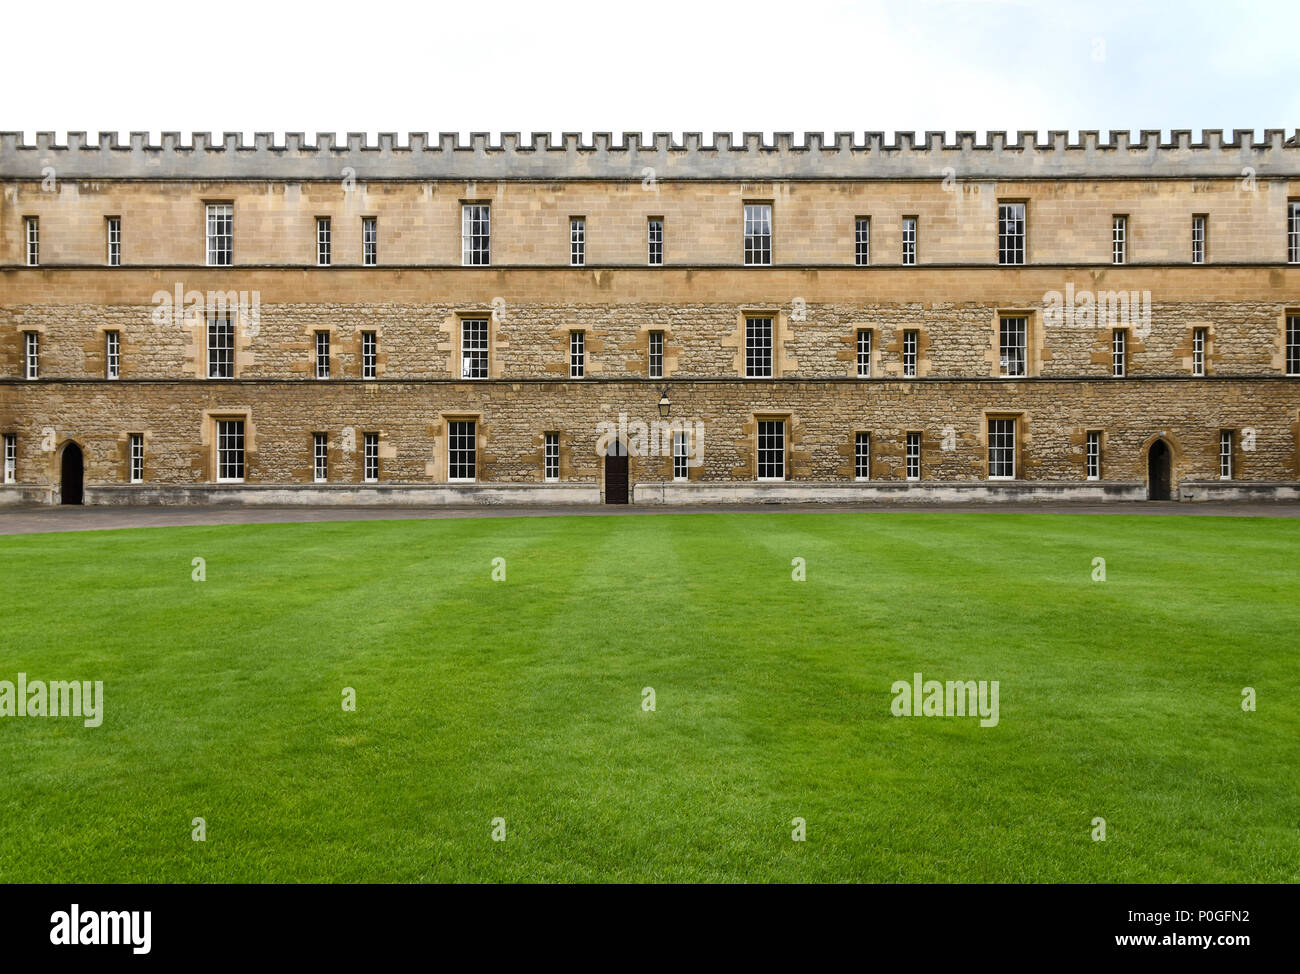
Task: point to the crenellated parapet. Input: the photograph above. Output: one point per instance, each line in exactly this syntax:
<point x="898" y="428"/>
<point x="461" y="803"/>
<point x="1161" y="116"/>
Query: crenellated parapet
<point x="846" y="155"/>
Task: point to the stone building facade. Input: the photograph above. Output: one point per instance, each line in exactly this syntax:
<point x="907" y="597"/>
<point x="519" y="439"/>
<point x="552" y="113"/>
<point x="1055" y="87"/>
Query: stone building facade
<point x="834" y="320"/>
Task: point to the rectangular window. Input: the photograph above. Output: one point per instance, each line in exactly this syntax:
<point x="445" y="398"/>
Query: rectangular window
<point x="1013" y="347"/>
<point x="322" y="241"/>
<point x="862" y="241"/>
<point x="369" y="355"/>
<point x="370" y="461"/>
<point x="114" y="225"/>
<point x="221" y="346"/>
<point x="230" y="450"/>
<point x="474" y="348"/>
<point x="1119" y="239"/>
<point x="112" y="354"/>
<point x="32" y="228"/>
<point x="758" y="234"/>
<point x="32" y="354"/>
<point x="320" y="455"/>
<point x="681" y="456"/>
<point x="1293" y="233"/>
<point x="221" y="234"/>
<point x="1293" y="344"/>
<point x="1011" y="233"/>
<point x="909" y="240"/>
<point x="369" y="241"/>
<point x="655" y="240"/>
<point x="1002" y="449"/>
<point x="552" y="457"/>
<point x="462" y="449"/>
<point x="577" y="241"/>
<point x="577" y="354"/>
<point x="913" y="456"/>
<point x="864" y="353"/>
<point x="1225" y="454"/>
<point x="758" y="348"/>
<point x="1094" y="454"/>
<point x="655" y="355"/>
<point x="910" y="342"/>
<point x="1198" y="350"/>
<point x="137" y="458"/>
<point x="322" y="355"/>
<point x="862" y="456"/>
<point x="475" y="234"/>
<point x="1118" y="353"/>
<point x="11" y="458"/>
<point x="771" y="449"/>
<point x="1198" y="239"/>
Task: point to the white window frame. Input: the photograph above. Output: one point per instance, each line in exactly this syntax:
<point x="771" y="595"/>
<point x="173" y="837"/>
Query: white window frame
<point x="11" y="458"/>
<point x="655" y="355"/>
<point x="135" y="458"/>
<point x="369" y="354"/>
<point x="322" y="342"/>
<point x="1200" y="224"/>
<point x="112" y="354"/>
<point x="370" y="241"/>
<point x="1226" y="442"/>
<point x="1292" y="340"/>
<point x="760" y="346"/>
<point x="32" y="235"/>
<point x="864" y="353"/>
<point x="1200" y="338"/>
<point x="1013" y="346"/>
<point x="320" y="458"/>
<point x="1001" y="448"/>
<point x="861" y="456"/>
<point x="681" y="456"/>
<point x="230" y="451"/>
<point x="114" y="233"/>
<point x="32" y="354"/>
<point x="1119" y="238"/>
<point x="577" y="241"/>
<point x="758" y="234"/>
<point x="1011" y="233"/>
<point x="862" y="241"/>
<point x="370" y="458"/>
<point x="1293" y="232"/>
<point x="323" y="243"/>
<point x="1118" y="353"/>
<point x="219" y="328"/>
<point x="1092" y="450"/>
<point x="912" y="456"/>
<point x="771" y="450"/>
<point x="462" y="451"/>
<point x="551" y="458"/>
<point x="475" y="234"/>
<point x="220" y="224"/>
<point x="475" y="348"/>
<point x="655" y="241"/>
<point x="911" y="352"/>
<point x="577" y="354"/>
<point x="909" y="240"/>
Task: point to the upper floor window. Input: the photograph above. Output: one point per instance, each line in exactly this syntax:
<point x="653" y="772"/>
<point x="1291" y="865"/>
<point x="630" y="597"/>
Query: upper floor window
<point x="1199" y="338"/>
<point x="322" y="355"/>
<point x="11" y="458"/>
<point x="1013" y="342"/>
<point x="655" y="355"/>
<point x="577" y="354"/>
<point x="771" y="449"/>
<point x="1198" y="238"/>
<point x="1293" y="344"/>
<point x="221" y="346"/>
<point x="862" y="241"/>
<point x="551" y="458"/>
<point x="369" y="241"/>
<point x="112" y="354"/>
<point x="462" y="450"/>
<point x="1002" y="449"/>
<point x="32" y="231"/>
<point x="322" y="241"/>
<point x="32" y="354"/>
<point x="369" y="355"/>
<point x="221" y="234"/>
<point x="577" y="241"/>
<point x="910" y="343"/>
<point x="758" y="348"/>
<point x="1093" y="448"/>
<point x="320" y="457"/>
<point x="136" y="472"/>
<point x="909" y="240"/>
<point x="474" y="348"/>
<point x="113" y="227"/>
<point x="370" y="458"/>
<point x="1293" y="232"/>
<point x="475" y="234"/>
<point x="230" y="450"/>
<point x="655" y="240"/>
<point x="1119" y="239"/>
<point x="1011" y="233"/>
<point x="1225" y="454"/>
<point x="864" y="353"/>
<point x="758" y="233"/>
<point x="1119" y="353"/>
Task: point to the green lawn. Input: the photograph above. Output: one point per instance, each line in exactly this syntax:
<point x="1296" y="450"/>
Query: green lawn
<point x="522" y="699"/>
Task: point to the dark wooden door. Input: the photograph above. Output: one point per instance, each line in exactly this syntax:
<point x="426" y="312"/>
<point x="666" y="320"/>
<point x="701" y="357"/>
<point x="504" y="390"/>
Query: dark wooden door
<point x="616" y="475"/>
<point x="1158" y="480"/>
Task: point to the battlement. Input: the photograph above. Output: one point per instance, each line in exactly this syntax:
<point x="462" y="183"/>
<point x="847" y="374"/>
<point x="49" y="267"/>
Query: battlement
<point x="843" y="156"/>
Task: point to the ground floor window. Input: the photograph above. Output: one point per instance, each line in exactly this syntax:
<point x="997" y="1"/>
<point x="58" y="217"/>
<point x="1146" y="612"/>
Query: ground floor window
<point x="461" y="450"/>
<point x="230" y="450"/>
<point x="11" y="458"/>
<point x="1225" y="454"/>
<point x="370" y="470"/>
<point x="862" y="456"/>
<point x="1094" y="454"/>
<point x="771" y="449"/>
<point x="1002" y="449"/>
<point x="136" y="473"/>
<point x="552" y="457"/>
<point x="913" y="456"/>
<point x="320" y="450"/>
<point x="681" y="456"/>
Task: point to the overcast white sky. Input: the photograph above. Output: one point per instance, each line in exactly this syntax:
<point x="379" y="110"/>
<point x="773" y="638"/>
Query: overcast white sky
<point x="697" y="65"/>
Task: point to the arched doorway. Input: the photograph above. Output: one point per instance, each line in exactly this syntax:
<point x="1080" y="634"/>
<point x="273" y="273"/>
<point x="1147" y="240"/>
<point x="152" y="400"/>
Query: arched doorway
<point x="72" y="474"/>
<point x="616" y="473"/>
<point x="1158" y="477"/>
